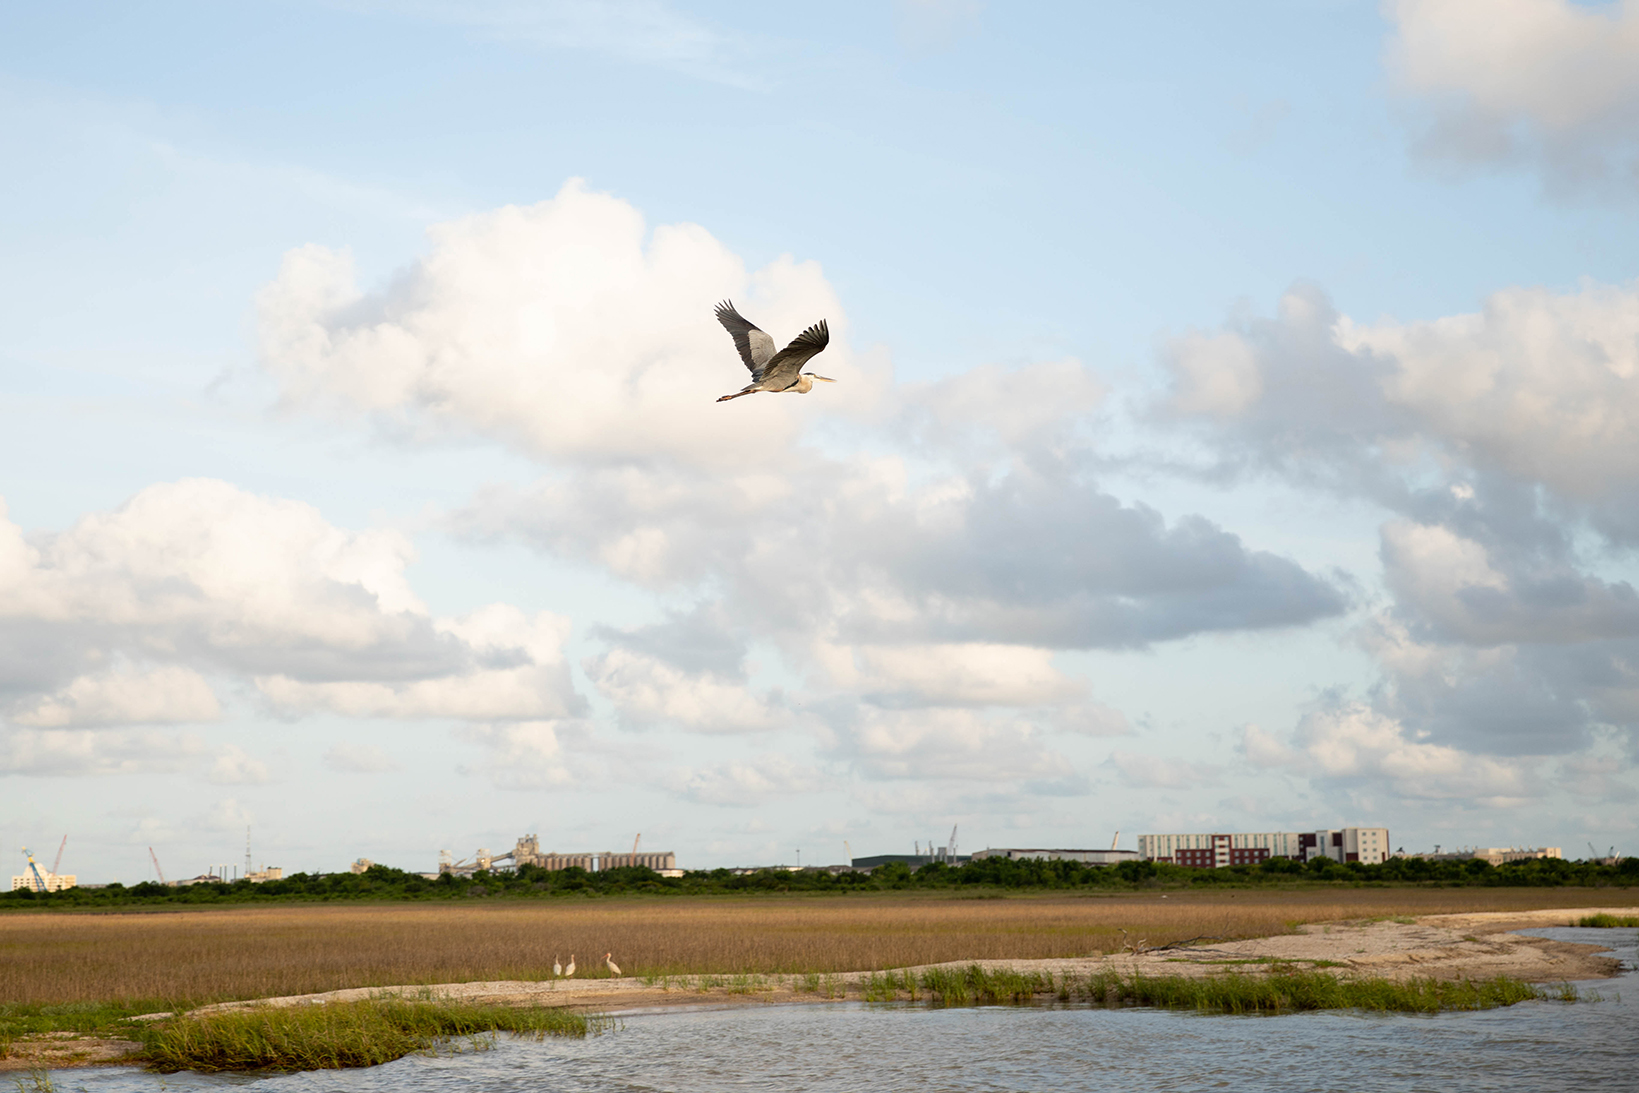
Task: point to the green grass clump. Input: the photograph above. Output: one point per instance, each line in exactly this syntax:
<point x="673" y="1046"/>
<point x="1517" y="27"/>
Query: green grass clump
<point x="1295" y="991"/>
<point x="1282" y="991"/>
<point x="329" y="1037"/>
<point x="18" y="1019"/>
<point x="1609" y="921"/>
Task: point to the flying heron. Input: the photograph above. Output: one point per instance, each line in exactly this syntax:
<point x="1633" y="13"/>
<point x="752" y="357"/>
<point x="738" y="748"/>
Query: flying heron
<point x="771" y="371"/>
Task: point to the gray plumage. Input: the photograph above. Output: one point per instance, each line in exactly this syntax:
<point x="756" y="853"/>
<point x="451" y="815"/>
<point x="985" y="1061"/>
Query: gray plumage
<point x="771" y="371"/>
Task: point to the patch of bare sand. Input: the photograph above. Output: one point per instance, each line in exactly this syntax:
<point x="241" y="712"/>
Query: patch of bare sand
<point x="60" y="1050"/>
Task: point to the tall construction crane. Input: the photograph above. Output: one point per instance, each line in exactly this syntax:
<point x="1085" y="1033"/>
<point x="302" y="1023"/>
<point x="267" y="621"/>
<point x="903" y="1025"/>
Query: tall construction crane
<point x="634" y="845"/>
<point x="157" y="869"/>
<point x="38" y="879"/>
<point x="56" y="866"/>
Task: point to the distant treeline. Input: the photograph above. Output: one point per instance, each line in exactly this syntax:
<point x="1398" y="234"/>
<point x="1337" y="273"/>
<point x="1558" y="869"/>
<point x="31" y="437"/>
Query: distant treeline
<point x="384" y="882"/>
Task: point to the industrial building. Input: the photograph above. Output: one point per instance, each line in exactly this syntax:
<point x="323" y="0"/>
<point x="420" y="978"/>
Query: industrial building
<point x="527" y="851"/>
<point x="1368" y="845"/>
<point x="1492" y="854"/>
<point x="1086" y="857"/>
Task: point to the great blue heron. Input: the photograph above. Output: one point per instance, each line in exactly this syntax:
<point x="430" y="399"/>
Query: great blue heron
<point x="771" y="371"/>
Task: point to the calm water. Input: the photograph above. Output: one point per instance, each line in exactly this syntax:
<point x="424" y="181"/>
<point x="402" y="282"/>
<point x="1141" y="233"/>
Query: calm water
<point x="845" y="1047"/>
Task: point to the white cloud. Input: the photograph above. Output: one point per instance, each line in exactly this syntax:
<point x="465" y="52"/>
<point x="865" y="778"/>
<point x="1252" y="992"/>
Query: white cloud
<point x="648" y="691"/>
<point x="563" y="328"/>
<point x="1354" y="744"/>
<point x="1540" y="386"/>
<point x="126" y="695"/>
<point x="234" y="767"/>
<point x="521" y="754"/>
<point x="116" y="620"/>
<point x="744" y="783"/>
<point x="1158" y="772"/>
<point x="1547" y="82"/>
<point x="954" y="674"/>
<point x="949" y="744"/>
<point x="519" y="672"/>
<point x="79" y="752"/>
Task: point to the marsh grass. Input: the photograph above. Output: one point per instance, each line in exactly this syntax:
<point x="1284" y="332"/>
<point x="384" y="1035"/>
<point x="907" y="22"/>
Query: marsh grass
<point x="1284" y="990"/>
<point x="1608" y="921"/>
<point x="256" y="952"/>
<point x="339" y="1035"/>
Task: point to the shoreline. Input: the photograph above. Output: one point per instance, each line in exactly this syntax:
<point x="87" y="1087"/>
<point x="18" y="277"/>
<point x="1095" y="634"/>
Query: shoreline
<point x="1475" y="945"/>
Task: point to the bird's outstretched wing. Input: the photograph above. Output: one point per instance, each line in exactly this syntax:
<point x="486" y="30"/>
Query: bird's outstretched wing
<point x="756" y="348"/>
<point x="803" y="348"/>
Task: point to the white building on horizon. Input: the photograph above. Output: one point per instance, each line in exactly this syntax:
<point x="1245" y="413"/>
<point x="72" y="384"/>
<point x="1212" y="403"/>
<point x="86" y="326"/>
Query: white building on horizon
<point x="1367" y="845"/>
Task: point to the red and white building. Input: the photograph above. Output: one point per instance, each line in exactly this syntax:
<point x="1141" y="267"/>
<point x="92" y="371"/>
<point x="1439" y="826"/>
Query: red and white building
<point x="1369" y="845"/>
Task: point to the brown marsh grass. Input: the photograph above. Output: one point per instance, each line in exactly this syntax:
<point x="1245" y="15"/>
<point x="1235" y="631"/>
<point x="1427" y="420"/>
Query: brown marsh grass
<point x="213" y="955"/>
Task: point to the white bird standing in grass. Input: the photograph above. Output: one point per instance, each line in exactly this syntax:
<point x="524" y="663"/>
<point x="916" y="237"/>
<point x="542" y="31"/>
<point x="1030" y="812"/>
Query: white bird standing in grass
<point x="771" y="371"/>
<point x="557" y="967"/>
<point x="614" y="969"/>
<point x="570" y="971"/>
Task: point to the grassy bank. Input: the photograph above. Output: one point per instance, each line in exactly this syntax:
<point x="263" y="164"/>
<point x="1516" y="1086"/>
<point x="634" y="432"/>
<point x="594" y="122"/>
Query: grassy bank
<point x="253" y="952"/>
<point x="1608" y="921"/>
<point x="1282" y="991"/>
<point x="341" y="1035"/>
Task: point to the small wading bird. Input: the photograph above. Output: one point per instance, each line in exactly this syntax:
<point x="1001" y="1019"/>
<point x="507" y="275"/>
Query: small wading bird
<point x="614" y="969"/>
<point x="557" y="967"/>
<point x="570" y="971"/>
<point x="771" y="371"/>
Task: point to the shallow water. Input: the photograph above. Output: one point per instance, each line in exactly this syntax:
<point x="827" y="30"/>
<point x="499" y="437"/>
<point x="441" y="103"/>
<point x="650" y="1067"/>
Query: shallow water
<point x="852" y="1046"/>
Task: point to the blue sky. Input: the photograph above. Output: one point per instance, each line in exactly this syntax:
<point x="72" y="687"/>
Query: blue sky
<point x="1233" y="431"/>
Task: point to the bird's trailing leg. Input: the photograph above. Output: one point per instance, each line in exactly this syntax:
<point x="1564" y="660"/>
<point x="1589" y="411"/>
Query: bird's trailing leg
<point x="737" y="394"/>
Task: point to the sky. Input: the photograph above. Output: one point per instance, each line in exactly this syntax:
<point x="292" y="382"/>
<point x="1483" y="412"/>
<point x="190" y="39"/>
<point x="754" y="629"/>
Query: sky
<point x="1237" y="427"/>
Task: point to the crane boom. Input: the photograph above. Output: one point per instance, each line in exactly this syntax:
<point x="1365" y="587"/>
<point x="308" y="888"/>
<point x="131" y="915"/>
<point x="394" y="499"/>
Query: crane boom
<point x="38" y="879"/>
<point x="1115" y="842"/>
<point x="56" y="866"/>
<point x="157" y="869"/>
<point x="635" y="842"/>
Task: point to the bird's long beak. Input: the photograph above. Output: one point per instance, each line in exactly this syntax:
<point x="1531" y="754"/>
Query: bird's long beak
<point x="827" y="379"/>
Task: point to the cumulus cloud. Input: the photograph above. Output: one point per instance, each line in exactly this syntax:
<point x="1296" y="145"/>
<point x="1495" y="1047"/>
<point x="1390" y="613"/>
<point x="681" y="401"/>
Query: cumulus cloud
<point x="753" y="781"/>
<point x="1502" y="442"/>
<point x="563" y="328"/>
<point x="1540" y="387"/>
<point x="234" y="767"/>
<point x="118" y="620"/>
<point x="126" y="695"/>
<point x="1548" y="83"/>
<point x="524" y="755"/>
<point x="915" y="572"/>
<point x="79" y="752"/>
<point x="1353" y="744"/>
<point x="948" y="745"/>
<point x="648" y="691"/>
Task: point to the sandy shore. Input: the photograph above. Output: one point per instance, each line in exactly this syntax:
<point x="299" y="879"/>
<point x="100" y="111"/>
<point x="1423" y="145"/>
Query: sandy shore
<point x="1466" y="946"/>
